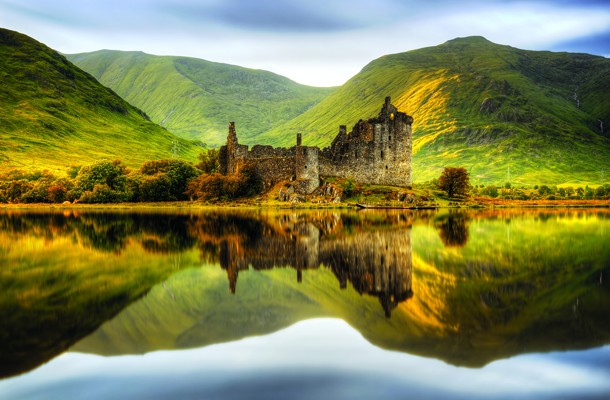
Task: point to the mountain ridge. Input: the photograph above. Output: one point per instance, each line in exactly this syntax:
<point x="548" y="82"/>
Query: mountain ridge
<point x="196" y="98"/>
<point x="55" y="115"/>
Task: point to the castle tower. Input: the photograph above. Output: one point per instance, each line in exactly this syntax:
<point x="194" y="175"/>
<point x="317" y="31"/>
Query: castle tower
<point x="393" y="146"/>
<point x="231" y="153"/>
<point x="306" y="167"/>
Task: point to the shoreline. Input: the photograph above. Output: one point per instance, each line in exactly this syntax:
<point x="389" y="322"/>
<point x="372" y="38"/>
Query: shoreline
<point x="193" y="205"/>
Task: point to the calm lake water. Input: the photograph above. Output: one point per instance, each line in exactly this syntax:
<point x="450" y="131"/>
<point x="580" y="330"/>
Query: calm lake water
<point x="300" y="305"/>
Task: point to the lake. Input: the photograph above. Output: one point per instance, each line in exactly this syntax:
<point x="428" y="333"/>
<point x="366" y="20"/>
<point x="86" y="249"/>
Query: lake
<point x="387" y="304"/>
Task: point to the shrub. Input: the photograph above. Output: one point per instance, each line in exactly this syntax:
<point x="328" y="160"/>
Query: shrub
<point x="102" y="193"/>
<point x="109" y="173"/>
<point x="249" y="182"/>
<point x="349" y="188"/>
<point x="14" y="190"/>
<point x="544" y="190"/>
<point x="491" y="191"/>
<point x="177" y="173"/>
<point x="156" y="188"/>
<point x="213" y="187"/>
<point x="600" y="192"/>
<point x="37" y="192"/>
<point x="56" y="193"/>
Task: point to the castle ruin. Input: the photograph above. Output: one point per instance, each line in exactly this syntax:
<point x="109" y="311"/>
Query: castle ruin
<point x="376" y="151"/>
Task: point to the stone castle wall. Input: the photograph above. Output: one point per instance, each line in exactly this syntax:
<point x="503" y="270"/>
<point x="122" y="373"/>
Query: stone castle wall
<point x="377" y="151"/>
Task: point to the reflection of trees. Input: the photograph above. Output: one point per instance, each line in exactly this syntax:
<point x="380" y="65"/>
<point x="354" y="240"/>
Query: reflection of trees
<point x="107" y="232"/>
<point x="358" y="248"/>
<point x="453" y="229"/>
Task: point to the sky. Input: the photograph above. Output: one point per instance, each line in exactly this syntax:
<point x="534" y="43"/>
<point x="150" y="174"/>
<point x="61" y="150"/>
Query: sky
<point x="319" y="43"/>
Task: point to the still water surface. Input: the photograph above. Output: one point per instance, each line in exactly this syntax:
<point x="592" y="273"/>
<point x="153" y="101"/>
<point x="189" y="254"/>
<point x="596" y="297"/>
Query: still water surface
<point x="299" y="305"/>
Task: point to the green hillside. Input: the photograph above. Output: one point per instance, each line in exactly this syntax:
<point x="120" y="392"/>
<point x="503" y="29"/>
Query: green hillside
<point x="504" y="113"/>
<point x="53" y="115"/>
<point x="195" y="99"/>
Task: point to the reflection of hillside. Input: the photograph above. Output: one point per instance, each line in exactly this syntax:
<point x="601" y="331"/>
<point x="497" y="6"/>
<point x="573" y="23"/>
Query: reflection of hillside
<point x="56" y="289"/>
<point x="523" y="281"/>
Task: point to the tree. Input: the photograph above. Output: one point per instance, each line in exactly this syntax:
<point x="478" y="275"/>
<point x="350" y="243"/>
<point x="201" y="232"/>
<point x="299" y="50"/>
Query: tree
<point x="544" y="190"/>
<point x="454" y="181"/>
<point x="208" y="161"/>
<point x="102" y="182"/>
<point x="166" y="180"/>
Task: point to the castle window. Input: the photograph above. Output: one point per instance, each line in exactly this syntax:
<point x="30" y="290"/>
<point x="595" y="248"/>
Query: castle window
<point x="389" y="138"/>
<point x="306" y="167"/>
<point x="386" y="167"/>
<point x="381" y="153"/>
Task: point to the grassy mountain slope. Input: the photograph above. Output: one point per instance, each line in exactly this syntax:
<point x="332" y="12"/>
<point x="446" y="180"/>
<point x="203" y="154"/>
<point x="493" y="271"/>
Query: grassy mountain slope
<point x="195" y="98"/>
<point x="52" y="114"/>
<point x="504" y="113"/>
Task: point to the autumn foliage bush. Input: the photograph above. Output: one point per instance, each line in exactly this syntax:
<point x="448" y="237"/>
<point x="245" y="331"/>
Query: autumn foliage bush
<point x="215" y="186"/>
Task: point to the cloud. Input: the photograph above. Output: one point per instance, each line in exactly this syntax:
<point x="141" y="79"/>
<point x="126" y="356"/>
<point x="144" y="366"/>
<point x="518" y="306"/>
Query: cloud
<point x="596" y="44"/>
<point x="318" y="43"/>
<point x="266" y="15"/>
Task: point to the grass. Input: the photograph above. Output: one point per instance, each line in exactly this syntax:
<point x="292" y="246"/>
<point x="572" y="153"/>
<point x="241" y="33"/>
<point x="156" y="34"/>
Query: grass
<point x="195" y="99"/>
<point x="503" y="113"/>
<point x="54" y="115"/>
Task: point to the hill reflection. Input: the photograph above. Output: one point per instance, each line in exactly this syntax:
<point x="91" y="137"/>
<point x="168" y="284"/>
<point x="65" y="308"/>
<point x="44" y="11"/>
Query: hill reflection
<point x="465" y="287"/>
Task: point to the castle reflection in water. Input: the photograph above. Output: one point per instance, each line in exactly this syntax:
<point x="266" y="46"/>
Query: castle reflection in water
<point x="374" y="261"/>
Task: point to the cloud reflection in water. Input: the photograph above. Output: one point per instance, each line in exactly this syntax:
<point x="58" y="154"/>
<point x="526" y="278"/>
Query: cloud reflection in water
<point x="317" y="358"/>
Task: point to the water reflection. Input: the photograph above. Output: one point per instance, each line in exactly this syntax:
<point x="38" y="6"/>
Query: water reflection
<point x="375" y="262"/>
<point x="468" y="288"/>
<point x="453" y="228"/>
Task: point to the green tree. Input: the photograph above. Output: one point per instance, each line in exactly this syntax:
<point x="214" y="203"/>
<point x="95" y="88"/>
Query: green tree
<point x="544" y="190"/>
<point x="208" y="161"/>
<point x="169" y="177"/>
<point x="491" y="191"/>
<point x="102" y="182"/>
<point x="454" y="181"/>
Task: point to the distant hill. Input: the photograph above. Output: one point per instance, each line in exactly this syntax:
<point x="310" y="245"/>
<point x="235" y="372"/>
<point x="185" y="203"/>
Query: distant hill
<point x="52" y="114"/>
<point x="196" y="99"/>
<point x="504" y="113"/>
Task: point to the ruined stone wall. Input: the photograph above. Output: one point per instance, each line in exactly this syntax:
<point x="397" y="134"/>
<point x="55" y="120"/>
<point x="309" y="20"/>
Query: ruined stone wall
<point x="271" y="169"/>
<point x="377" y="151"/>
